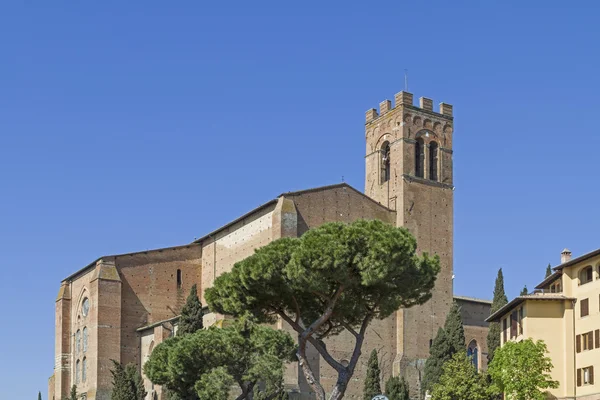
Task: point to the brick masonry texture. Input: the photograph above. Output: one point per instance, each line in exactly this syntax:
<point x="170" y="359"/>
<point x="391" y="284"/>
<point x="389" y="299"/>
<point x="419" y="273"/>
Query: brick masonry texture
<point x="134" y="298"/>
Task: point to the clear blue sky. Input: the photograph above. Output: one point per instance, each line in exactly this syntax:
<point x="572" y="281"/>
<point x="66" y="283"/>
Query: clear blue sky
<point x="133" y="125"/>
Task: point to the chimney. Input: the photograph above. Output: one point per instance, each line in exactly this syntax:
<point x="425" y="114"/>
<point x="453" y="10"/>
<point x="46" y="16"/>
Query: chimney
<point x="565" y="256"/>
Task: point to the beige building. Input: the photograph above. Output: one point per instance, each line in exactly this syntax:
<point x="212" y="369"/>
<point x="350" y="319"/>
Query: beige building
<point x="121" y="306"/>
<point x="564" y="312"/>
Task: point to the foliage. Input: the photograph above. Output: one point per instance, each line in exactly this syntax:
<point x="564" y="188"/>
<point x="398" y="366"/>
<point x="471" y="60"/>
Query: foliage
<point x="499" y="301"/>
<point x="522" y="370"/>
<point x="195" y="366"/>
<point x="337" y="277"/>
<point x="190" y="320"/>
<point x="39" y="395"/>
<point x="127" y="383"/>
<point x="73" y="394"/>
<point x="524" y="291"/>
<point x="214" y="385"/>
<point x="372" y="385"/>
<point x="396" y="388"/>
<point x="548" y="270"/>
<point x="460" y="381"/>
<point x="448" y="341"/>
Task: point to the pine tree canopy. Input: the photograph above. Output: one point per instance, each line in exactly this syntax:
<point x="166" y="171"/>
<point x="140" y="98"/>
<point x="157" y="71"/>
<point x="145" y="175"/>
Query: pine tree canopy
<point x="127" y="382"/>
<point x="190" y="320"/>
<point x="372" y="382"/>
<point x="524" y="291"/>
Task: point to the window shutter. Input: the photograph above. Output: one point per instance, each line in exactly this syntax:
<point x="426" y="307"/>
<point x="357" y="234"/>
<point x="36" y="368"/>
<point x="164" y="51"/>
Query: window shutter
<point x="584" y="307"/>
<point x="592" y="375"/>
<point x="578" y="376"/>
<point x="597" y="338"/>
<point x="578" y="343"/>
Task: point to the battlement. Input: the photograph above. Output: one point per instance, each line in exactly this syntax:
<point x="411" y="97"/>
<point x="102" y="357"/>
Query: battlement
<point x="406" y="98"/>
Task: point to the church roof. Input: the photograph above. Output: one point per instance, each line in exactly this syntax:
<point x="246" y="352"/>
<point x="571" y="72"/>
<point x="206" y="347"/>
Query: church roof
<point x="472" y="299"/>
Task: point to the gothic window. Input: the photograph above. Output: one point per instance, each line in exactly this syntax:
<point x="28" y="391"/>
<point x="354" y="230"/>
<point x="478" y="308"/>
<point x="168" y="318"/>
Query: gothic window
<point x="385" y="162"/>
<point x="473" y="353"/>
<point x="84" y="369"/>
<point x="419" y="158"/>
<point x="85" y="307"/>
<point x="77" y="368"/>
<point x="85" y="339"/>
<point x="77" y="341"/>
<point x="179" y="282"/>
<point x="433" y="161"/>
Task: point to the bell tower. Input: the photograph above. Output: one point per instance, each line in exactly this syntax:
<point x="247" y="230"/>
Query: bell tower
<point x="409" y="169"/>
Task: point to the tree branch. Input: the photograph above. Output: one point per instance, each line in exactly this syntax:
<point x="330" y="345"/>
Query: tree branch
<point x="326" y="315"/>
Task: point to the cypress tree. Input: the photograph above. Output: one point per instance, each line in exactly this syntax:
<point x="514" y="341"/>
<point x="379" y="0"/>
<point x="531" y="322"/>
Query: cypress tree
<point x="372" y="385"/>
<point x="448" y="341"/>
<point x="396" y="388"/>
<point x="127" y="383"/>
<point x="191" y="314"/>
<point x="499" y="301"/>
<point x="39" y="395"/>
<point x="73" y="395"/>
<point x="524" y="291"/>
<point x="548" y="270"/>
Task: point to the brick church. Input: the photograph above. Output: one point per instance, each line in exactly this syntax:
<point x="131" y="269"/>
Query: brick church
<point x="121" y="306"/>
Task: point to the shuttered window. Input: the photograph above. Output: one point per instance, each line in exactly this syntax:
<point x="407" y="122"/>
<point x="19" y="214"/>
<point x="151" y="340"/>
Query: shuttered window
<point x="513" y="324"/>
<point x="504" y="328"/>
<point x="584" y="307"/>
<point x="578" y="376"/>
<point x="585" y="376"/>
<point x="597" y="338"/>
<point x="578" y="343"/>
<point x="588" y="340"/>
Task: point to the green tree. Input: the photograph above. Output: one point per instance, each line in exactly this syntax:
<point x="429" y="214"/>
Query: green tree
<point x="73" y="394"/>
<point x="396" y="388"/>
<point x="448" y="341"/>
<point x="39" y="395"/>
<point x="190" y="320"/>
<point x="460" y="381"/>
<point x="337" y="277"/>
<point x="195" y="366"/>
<point x="524" y="291"/>
<point x="372" y="385"/>
<point x="522" y="370"/>
<point x="127" y="382"/>
<point x="499" y="301"/>
<point x="548" y="270"/>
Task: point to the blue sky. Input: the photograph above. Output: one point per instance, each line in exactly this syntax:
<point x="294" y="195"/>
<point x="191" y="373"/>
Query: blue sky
<point x="133" y="125"/>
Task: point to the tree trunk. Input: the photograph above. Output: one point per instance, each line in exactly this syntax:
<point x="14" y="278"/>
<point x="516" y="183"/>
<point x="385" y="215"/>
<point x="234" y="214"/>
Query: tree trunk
<point x="308" y="373"/>
<point x="340" y="386"/>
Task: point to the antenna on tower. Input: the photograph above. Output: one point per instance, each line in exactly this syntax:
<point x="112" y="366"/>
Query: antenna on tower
<point x="405" y="80"/>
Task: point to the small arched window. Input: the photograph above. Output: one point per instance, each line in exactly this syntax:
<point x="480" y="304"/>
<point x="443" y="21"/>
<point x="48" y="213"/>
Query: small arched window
<point x="473" y="354"/>
<point x="586" y="275"/>
<point x="419" y="158"/>
<point x="85" y="307"/>
<point x="85" y="339"/>
<point x="84" y="369"/>
<point x="77" y="369"/>
<point x="433" y="161"/>
<point x="385" y="162"/>
<point x="77" y="342"/>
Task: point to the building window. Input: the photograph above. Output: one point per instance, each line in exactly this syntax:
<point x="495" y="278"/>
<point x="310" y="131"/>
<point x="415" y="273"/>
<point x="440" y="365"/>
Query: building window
<point x="385" y="163"/>
<point x="433" y="161"/>
<point x="555" y="287"/>
<point x="514" y="323"/>
<point x="419" y="158"/>
<point x="85" y="339"/>
<point x="504" y="328"/>
<point x="77" y="368"/>
<point x="85" y="307"/>
<point x="588" y="340"/>
<point x="84" y="369"/>
<point x="473" y="354"/>
<point x="521" y="321"/>
<point x="586" y="275"/>
<point x="584" y="308"/>
<point x="179" y="279"/>
<point x="585" y="376"/>
<point x="77" y="342"/>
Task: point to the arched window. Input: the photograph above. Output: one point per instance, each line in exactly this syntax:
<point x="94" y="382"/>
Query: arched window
<point x="85" y="307"/>
<point x="77" y="368"/>
<point x="85" y="339"/>
<point x="84" y="369"/>
<point x="179" y="281"/>
<point x="473" y="353"/>
<point x="385" y="162"/>
<point x="586" y="275"/>
<point x="433" y="161"/>
<point x="77" y="342"/>
<point x="419" y="158"/>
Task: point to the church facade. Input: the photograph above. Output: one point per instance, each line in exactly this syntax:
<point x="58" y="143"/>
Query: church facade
<point x="120" y="307"/>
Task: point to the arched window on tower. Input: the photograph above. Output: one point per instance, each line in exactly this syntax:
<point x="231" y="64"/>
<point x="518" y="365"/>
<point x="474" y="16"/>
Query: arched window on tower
<point x="473" y="353"/>
<point x="84" y="369"/>
<point x="433" y="161"/>
<point x="419" y="158"/>
<point x="77" y="368"/>
<point x="385" y="163"/>
<point x="85" y="339"/>
<point x="77" y="342"/>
